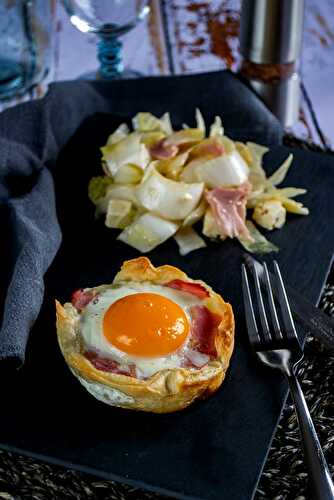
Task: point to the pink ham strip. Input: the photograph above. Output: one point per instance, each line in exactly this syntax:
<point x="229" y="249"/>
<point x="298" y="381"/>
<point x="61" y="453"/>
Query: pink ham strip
<point x="194" y="288"/>
<point x="229" y="209"/>
<point x="108" y="365"/>
<point x="80" y="298"/>
<point x="195" y="359"/>
<point x="204" y="327"/>
<point x="161" y="151"/>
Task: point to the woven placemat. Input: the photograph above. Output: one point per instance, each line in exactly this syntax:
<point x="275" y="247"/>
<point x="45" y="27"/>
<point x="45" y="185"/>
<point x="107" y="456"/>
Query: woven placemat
<point x="284" y="476"/>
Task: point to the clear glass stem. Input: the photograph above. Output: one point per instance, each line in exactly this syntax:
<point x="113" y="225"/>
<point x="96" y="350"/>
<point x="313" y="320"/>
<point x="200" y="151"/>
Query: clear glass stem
<point x="109" y="54"/>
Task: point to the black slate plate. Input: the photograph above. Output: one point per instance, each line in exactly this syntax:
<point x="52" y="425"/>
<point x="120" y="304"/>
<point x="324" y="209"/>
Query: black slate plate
<point x="216" y="448"/>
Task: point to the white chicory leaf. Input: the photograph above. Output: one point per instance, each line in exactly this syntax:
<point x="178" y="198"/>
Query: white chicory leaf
<point x="216" y="129"/>
<point x="225" y="170"/>
<point x="128" y="174"/>
<point x="127" y="151"/>
<point x="169" y="199"/>
<point x="147" y="232"/>
<point x="166" y="124"/>
<point x="121" y="192"/>
<point x="188" y="240"/>
<point x="200" y="123"/>
<point x="186" y="136"/>
<point x="97" y="188"/>
<point x="146" y="122"/>
<point x="295" y="207"/>
<point x="120" y="133"/>
<point x="280" y="174"/>
<point x="119" y="214"/>
<point x="173" y="167"/>
<point x="258" y="243"/>
<point x="195" y="215"/>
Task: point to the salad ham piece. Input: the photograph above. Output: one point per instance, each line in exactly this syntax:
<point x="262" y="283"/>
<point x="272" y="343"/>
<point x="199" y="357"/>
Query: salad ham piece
<point x="162" y="151"/>
<point x="160" y="182"/>
<point x="229" y="210"/>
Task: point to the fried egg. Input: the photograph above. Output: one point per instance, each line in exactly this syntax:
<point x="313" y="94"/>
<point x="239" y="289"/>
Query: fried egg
<point x="140" y="324"/>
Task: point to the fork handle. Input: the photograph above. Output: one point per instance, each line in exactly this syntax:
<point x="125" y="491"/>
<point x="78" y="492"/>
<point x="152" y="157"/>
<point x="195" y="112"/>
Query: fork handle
<point x="322" y="487"/>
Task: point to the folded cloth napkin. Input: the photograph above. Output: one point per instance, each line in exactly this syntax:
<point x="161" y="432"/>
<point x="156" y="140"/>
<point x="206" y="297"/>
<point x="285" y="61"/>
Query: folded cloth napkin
<point x="32" y="135"/>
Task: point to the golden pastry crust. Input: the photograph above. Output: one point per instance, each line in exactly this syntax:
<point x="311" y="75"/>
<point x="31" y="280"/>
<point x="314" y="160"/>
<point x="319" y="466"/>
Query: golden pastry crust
<point x="168" y="390"/>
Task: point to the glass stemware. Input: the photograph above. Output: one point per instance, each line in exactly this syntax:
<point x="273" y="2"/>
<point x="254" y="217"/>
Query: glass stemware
<point x="25" y="45"/>
<point x="109" y="20"/>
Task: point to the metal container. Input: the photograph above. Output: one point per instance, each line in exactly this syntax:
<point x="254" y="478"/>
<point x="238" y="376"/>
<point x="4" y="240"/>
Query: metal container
<point x="271" y="33"/>
<point x="271" y="30"/>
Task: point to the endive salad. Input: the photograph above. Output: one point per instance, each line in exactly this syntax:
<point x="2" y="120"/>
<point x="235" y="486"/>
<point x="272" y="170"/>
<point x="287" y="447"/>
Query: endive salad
<point x="159" y="182"/>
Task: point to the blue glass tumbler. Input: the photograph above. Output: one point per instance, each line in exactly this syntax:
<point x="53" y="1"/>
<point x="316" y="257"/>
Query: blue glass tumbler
<point x="25" y="44"/>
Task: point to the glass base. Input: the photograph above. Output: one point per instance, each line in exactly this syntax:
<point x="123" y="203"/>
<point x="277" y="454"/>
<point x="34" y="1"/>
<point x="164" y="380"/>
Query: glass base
<point x="12" y="78"/>
<point x="17" y="79"/>
<point x="125" y="75"/>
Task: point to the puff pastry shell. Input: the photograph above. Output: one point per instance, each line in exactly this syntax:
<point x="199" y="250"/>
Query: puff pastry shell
<point x="167" y="390"/>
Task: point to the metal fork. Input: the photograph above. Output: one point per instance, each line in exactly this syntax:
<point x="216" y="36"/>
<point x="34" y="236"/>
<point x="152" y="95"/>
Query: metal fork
<point x="279" y="347"/>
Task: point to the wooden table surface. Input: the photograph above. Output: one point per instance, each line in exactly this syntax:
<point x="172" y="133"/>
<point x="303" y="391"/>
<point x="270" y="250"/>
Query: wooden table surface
<point x="182" y="36"/>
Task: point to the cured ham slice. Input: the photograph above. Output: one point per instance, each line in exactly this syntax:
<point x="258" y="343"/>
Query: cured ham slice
<point x="229" y="209"/>
<point x="204" y="328"/>
<point x="195" y="359"/>
<point x="80" y="299"/>
<point x="162" y="151"/>
<point x="194" y="288"/>
<point x="108" y="365"/>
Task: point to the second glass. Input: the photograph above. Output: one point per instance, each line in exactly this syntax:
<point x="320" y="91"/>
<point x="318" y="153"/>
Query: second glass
<point x="25" y="44"/>
<point x="109" y="20"/>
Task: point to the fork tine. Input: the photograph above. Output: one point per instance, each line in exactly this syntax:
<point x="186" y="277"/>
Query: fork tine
<point x="262" y="311"/>
<point x="249" y="311"/>
<point x="284" y="304"/>
<point x="272" y="307"/>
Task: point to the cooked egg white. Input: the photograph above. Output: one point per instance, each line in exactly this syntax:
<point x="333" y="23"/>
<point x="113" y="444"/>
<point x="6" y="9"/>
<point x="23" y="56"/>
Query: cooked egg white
<point x="94" y="338"/>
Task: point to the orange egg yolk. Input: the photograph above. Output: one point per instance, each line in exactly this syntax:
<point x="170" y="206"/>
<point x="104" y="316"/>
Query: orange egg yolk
<point x="145" y="324"/>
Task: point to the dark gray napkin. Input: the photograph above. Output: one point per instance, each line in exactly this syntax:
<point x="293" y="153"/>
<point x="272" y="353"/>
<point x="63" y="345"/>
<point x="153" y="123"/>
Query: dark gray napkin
<point x="32" y="136"/>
